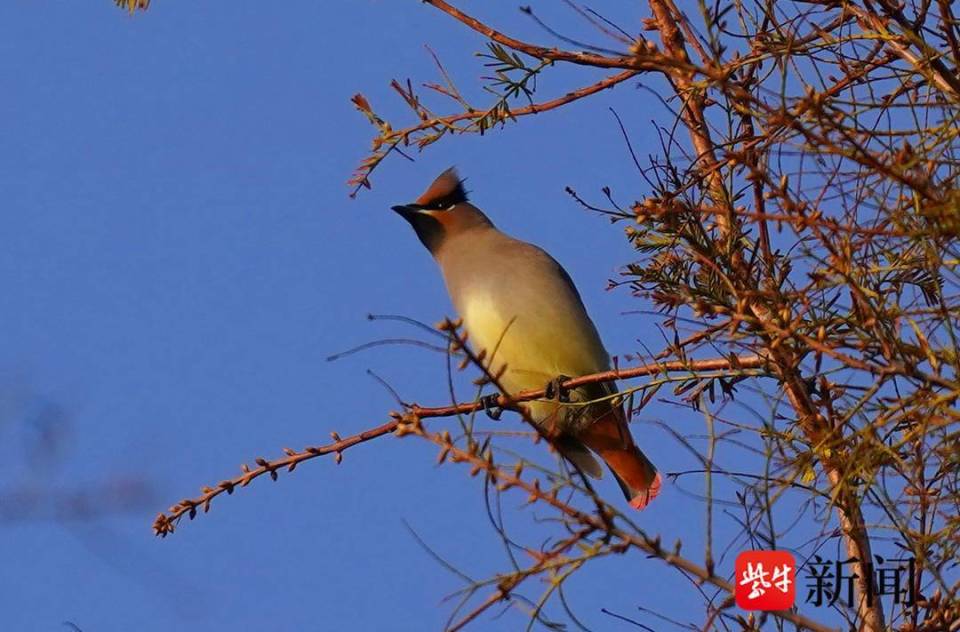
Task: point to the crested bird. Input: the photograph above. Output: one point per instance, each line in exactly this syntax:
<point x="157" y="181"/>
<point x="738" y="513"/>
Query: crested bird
<point x="523" y="313"/>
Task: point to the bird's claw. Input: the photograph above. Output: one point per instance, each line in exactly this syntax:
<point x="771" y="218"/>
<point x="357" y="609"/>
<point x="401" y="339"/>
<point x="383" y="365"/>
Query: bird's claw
<point x="555" y="390"/>
<point x="491" y="406"/>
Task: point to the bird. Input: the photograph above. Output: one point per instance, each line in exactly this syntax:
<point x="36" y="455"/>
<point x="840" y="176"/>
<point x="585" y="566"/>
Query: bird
<point x="523" y="314"/>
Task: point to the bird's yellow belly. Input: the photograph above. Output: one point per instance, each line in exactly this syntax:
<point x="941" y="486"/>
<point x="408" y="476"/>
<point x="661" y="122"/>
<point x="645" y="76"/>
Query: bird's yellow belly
<point x="535" y="346"/>
<point x="512" y="340"/>
<point x="535" y="350"/>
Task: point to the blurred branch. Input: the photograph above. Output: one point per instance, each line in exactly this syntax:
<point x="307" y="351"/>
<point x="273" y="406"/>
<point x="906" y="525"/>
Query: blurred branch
<point x="92" y="501"/>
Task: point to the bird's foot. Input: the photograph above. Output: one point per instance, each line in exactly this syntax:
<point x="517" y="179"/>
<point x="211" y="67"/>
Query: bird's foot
<point x="555" y="390"/>
<point x="491" y="406"/>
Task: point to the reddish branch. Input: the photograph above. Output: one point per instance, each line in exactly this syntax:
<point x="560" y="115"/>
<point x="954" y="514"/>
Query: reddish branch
<point x="166" y="522"/>
<point x="596" y="522"/>
<point x="640" y="59"/>
<point x="440" y="124"/>
<point x="784" y="361"/>
<point x="692" y="112"/>
<point x="533" y="108"/>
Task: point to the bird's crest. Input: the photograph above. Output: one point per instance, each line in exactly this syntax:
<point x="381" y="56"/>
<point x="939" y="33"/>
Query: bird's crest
<point x="445" y="191"/>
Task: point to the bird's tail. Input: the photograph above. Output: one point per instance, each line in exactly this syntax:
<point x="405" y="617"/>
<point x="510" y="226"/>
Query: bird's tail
<point x="609" y="437"/>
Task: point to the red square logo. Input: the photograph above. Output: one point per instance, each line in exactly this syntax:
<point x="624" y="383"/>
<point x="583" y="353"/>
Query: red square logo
<point x="765" y="580"/>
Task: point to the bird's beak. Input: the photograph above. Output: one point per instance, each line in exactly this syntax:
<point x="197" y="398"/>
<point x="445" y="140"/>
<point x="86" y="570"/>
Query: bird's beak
<point x="427" y="227"/>
<point x="407" y="210"/>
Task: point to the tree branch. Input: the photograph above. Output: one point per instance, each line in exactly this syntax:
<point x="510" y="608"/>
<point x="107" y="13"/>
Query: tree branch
<point x="166" y="522"/>
<point x="643" y="58"/>
<point x="856" y="538"/>
<point x="505" y="480"/>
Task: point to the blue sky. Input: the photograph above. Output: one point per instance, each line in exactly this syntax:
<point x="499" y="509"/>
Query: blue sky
<point x="179" y="255"/>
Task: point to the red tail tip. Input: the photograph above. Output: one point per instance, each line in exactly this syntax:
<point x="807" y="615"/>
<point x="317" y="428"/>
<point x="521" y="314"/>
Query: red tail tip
<point x="641" y="500"/>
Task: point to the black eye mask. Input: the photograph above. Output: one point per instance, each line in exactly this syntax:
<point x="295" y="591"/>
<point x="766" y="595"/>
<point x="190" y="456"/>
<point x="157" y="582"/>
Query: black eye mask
<point x="457" y="196"/>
